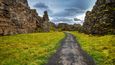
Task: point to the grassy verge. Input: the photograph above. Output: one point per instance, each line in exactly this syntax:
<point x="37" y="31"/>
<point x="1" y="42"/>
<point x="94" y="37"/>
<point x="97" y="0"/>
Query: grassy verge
<point x="101" y="48"/>
<point x="28" y="49"/>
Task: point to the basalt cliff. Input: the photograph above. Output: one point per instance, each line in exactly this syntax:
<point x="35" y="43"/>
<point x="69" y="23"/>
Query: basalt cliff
<point x="101" y="20"/>
<point x="16" y="17"/>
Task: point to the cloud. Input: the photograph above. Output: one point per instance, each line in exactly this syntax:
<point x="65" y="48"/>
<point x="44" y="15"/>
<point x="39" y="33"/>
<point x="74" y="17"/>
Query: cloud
<point x="69" y="12"/>
<point x="63" y="10"/>
<point x="76" y="10"/>
<point x="41" y="5"/>
<point x="76" y="19"/>
<point x="66" y="20"/>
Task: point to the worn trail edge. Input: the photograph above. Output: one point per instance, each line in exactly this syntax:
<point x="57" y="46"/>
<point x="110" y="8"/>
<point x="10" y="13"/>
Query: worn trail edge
<point x="70" y="53"/>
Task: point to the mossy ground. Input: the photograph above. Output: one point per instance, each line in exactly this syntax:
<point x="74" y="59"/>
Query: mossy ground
<point x="28" y="49"/>
<point x="36" y="48"/>
<point x="101" y="48"/>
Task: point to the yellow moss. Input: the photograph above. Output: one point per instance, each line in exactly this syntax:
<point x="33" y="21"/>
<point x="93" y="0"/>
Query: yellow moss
<point x="28" y="49"/>
<point x="101" y="48"/>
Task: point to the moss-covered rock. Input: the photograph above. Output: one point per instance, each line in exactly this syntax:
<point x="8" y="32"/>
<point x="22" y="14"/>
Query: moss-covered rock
<point x="101" y="19"/>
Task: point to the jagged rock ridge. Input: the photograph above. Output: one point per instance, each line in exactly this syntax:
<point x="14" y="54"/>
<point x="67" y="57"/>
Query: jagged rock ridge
<point x="17" y="17"/>
<point x="101" y="19"/>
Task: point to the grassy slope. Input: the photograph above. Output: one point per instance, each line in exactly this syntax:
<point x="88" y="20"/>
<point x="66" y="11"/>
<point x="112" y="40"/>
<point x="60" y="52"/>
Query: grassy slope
<point x="28" y="49"/>
<point x="101" y="48"/>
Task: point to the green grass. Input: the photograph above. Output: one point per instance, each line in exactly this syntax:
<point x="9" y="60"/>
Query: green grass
<point x="28" y="49"/>
<point x="101" y="48"/>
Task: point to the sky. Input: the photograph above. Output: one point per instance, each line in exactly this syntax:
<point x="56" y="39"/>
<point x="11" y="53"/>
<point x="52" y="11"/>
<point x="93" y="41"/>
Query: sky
<point x="63" y="11"/>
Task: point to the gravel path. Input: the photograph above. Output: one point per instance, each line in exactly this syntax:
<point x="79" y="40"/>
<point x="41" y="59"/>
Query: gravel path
<point x="70" y="53"/>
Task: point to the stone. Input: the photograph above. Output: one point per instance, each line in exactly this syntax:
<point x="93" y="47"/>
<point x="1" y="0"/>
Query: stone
<point x="101" y="19"/>
<point x="45" y="22"/>
<point x="16" y="17"/>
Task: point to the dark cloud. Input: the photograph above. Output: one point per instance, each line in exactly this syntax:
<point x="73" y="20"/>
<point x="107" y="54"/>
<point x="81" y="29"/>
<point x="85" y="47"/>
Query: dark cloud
<point x="67" y="16"/>
<point x="70" y="12"/>
<point x="82" y="4"/>
<point x="41" y="5"/>
<point x="76" y="19"/>
<point x="76" y="10"/>
<point x="66" y="20"/>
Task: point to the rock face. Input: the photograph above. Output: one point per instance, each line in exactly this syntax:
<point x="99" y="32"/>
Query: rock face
<point x="17" y="17"/>
<point x="101" y="20"/>
<point x="45" y="22"/>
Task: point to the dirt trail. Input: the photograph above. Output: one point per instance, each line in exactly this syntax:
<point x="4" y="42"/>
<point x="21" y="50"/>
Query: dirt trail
<point x="70" y="53"/>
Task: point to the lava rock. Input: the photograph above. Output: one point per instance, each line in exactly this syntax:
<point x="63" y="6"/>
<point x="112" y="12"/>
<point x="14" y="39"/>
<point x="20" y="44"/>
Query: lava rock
<point x="16" y="17"/>
<point x="101" y="19"/>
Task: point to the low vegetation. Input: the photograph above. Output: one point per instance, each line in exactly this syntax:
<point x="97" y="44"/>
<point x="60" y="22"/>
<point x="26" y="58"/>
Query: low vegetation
<point x="28" y="49"/>
<point x="101" y="48"/>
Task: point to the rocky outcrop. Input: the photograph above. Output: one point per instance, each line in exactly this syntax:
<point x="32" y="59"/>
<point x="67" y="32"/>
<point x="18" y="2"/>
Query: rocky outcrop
<point x="101" y="20"/>
<point x="17" y="17"/>
<point x="45" y="22"/>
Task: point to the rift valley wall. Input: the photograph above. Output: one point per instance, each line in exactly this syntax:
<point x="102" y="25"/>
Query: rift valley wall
<point x="101" y="20"/>
<point x="16" y="17"/>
